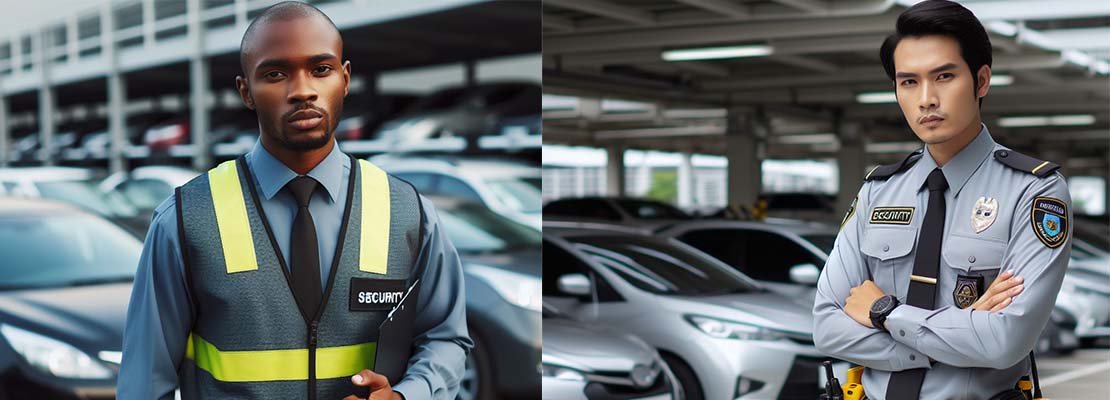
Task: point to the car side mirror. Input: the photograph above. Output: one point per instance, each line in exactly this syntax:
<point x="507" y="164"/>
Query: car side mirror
<point x="806" y="274"/>
<point x="576" y="285"/>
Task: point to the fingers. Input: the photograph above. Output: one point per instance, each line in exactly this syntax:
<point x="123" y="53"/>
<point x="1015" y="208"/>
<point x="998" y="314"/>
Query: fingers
<point x="998" y="307"/>
<point x="1004" y="282"/>
<point x="369" y="378"/>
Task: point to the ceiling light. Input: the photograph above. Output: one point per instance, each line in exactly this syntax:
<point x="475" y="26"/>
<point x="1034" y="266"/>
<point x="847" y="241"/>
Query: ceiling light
<point x="1001" y="80"/>
<point x="876" y="97"/>
<point x="1046" y="120"/>
<point x="717" y="53"/>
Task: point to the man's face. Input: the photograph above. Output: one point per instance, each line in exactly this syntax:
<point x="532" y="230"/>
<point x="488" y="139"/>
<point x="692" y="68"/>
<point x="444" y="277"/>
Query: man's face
<point x="935" y="88"/>
<point x="296" y="82"/>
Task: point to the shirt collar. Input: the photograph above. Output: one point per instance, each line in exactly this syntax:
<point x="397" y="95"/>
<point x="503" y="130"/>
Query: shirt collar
<point x="958" y="170"/>
<point x="272" y="174"/>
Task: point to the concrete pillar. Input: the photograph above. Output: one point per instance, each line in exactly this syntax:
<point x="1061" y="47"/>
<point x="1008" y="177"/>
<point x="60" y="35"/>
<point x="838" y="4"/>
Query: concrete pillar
<point x="851" y="163"/>
<point x="117" y="92"/>
<point x="73" y="48"/>
<point x="241" y="14"/>
<point x="614" y="171"/>
<point x="4" y="133"/>
<point x="1106" y="186"/>
<point x="199" y="90"/>
<point x="745" y="175"/>
<point x="148" y="23"/>
<point x="46" y="100"/>
<point x="642" y="183"/>
<point x="686" y="181"/>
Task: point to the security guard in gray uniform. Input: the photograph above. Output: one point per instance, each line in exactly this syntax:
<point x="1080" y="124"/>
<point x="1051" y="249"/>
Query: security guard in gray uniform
<point x="948" y="263"/>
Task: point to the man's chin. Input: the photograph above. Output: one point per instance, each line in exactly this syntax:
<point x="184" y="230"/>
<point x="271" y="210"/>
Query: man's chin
<point x="306" y="141"/>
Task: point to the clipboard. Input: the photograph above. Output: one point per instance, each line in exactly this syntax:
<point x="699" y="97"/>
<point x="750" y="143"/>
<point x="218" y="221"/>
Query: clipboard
<point x="395" y="337"/>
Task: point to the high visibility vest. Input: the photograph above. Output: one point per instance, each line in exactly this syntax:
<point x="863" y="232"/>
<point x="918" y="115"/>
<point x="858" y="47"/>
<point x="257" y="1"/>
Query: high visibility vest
<point x="249" y="338"/>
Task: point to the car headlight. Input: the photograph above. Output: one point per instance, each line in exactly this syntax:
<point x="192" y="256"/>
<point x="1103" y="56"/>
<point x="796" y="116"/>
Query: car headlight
<point x="518" y="289"/>
<point x="720" y="328"/>
<point x="555" y="371"/>
<point x="52" y="356"/>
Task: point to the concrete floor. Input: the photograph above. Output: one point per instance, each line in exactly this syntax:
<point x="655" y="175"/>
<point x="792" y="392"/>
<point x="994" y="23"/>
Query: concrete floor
<point x="1083" y="375"/>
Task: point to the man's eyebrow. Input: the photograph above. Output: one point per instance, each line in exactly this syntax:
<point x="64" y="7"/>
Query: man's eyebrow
<point x="942" y="68"/>
<point x="321" y="57"/>
<point x="285" y="63"/>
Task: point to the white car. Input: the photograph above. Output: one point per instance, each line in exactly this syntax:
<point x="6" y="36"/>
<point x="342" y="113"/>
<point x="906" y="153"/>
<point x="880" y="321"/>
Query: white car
<point x="76" y="186"/>
<point x="508" y="187"/>
<point x="148" y="186"/>
<point x="723" y="335"/>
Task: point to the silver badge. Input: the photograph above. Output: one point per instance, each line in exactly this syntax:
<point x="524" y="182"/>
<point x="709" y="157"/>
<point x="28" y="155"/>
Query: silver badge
<point x="984" y="213"/>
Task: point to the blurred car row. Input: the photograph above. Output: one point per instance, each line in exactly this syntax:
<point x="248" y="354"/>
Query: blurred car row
<point x="490" y="116"/>
<point x="728" y="303"/>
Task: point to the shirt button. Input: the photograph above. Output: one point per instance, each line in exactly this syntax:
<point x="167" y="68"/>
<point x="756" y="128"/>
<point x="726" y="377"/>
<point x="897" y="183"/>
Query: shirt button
<point x="971" y="259"/>
<point x="912" y="357"/>
<point x="1003" y="154"/>
<point x="901" y="332"/>
<point x="886" y="248"/>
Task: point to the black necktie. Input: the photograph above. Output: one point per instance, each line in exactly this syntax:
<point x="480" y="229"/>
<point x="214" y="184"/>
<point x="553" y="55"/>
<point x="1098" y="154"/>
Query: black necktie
<point x="304" y="255"/>
<point x="923" y="284"/>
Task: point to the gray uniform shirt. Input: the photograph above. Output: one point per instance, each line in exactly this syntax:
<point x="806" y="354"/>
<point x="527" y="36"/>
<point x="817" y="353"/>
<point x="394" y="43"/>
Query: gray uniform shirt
<point x="977" y="353"/>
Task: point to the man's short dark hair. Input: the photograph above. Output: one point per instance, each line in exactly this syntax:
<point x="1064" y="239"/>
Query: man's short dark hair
<point x="283" y="11"/>
<point x="941" y="17"/>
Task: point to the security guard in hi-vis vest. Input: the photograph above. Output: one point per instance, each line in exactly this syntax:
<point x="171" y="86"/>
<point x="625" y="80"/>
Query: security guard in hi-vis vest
<point x="286" y="273"/>
<point x="947" y="265"/>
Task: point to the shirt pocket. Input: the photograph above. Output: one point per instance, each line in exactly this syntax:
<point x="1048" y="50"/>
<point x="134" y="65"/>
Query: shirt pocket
<point x="889" y="251"/>
<point x="970" y="258"/>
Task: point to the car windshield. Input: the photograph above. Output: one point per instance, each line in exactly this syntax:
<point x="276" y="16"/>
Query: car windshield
<point x="84" y="194"/>
<point x="663" y="268"/>
<point x="516" y="193"/>
<point x="64" y="250"/>
<point x="823" y="242"/>
<point x="473" y="228"/>
<point x="651" y="210"/>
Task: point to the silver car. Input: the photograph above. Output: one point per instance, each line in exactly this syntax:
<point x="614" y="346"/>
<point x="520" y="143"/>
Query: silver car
<point x="582" y="362"/>
<point x="722" y="334"/>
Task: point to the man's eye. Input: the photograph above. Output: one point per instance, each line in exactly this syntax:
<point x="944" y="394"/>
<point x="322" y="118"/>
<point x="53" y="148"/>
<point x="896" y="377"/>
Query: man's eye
<point x="273" y="75"/>
<point x="945" y="76"/>
<point x="908" y="82"/>
<point x="322" y="69"/>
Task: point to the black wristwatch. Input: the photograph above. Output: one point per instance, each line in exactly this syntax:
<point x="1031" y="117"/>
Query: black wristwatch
<point x="881" y="308"/>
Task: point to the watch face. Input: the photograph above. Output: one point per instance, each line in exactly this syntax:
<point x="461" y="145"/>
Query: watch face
<point x="881" y="304"/>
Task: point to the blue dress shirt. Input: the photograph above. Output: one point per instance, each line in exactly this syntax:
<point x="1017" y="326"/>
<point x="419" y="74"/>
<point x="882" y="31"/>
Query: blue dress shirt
<point x="160" y="314"/>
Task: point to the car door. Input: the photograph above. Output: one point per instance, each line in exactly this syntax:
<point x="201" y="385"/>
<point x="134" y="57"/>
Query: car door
<point x="763" y="255"/>
<point x="559" y="261"/>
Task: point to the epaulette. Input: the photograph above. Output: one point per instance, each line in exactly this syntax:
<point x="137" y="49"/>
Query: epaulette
<point x="1026" y="164"/>
<point x="884" y="172"/>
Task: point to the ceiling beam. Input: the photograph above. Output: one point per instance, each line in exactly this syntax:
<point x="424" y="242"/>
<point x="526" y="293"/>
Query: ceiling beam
<point x="606" y="9"/>
<point x="557" y="22"/>
<point x="723" y="7"/>
<point x="806" y="62"/>
<point x="809" y="6"/>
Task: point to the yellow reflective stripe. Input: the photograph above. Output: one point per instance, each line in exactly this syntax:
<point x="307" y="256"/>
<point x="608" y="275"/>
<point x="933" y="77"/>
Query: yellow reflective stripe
<point x="373" y="247"/>
<point x="231" y="218"/>
<point x="278" y="365"/>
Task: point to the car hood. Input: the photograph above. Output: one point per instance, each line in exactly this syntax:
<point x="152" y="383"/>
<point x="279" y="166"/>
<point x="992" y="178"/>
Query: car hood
<point x="526" y="261"/>
<point x="90" y="318"/>
<point x="769" y="309"/>
<point x="593" y="349"/>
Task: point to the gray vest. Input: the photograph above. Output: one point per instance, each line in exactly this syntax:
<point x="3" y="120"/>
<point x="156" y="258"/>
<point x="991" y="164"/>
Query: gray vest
<point x="249" y="338"/>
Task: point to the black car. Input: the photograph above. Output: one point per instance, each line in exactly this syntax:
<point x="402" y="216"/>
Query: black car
<point x="501" y="264"/>
<point x="64" y="287"/>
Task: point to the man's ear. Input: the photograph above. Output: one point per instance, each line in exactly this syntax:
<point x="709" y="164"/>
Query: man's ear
<point x="984" y="76"/>
<point x="244" y="92"/>
<point x="346" y="77"/>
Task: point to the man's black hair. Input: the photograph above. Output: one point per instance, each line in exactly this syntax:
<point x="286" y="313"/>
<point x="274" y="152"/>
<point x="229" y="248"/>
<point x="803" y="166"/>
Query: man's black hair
<point x="284" y="11"/>
<point x="942" y="17"/>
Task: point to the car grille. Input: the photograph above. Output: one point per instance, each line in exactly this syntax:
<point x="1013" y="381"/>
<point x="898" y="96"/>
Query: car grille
<point x="801" y="383"/>
<point x="606" y="391"/>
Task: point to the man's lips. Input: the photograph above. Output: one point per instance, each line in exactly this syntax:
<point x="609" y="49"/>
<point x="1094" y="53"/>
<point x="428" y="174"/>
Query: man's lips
<point x="930" y="119"/>
<point x="306" y="119"/>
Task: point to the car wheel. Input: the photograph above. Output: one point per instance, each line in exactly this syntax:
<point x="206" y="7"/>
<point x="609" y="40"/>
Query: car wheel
<point x="691" y="388"/>
<point x="477" y="379"/>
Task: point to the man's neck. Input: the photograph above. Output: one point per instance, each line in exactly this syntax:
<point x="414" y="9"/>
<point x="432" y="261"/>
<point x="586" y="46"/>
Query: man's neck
<point x="944" y="152"/>
<point x="299" y="161"/>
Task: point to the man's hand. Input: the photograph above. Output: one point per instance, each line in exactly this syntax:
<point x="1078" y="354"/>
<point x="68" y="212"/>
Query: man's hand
<point x="379" y="386"/>
<point x="858" y="305"/>
<point x="1000" y="294"/>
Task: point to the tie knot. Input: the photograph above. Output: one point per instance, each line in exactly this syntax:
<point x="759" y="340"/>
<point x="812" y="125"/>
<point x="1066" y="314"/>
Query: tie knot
<point x="936" y="180"/>
<point x="302" y="188"/>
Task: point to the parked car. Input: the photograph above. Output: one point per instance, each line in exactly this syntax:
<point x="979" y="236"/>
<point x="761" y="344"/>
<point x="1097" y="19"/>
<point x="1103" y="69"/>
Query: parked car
<point x="642" y="213"/>
<point x="148" y="186"/>
<point x="77" y="186"/>
<point x="463" y="111"/>
<point x="501" y="267"/>
<point x="722" y="334"/>
<point x="583" y="362"/>
<point x="1085" y="298"/>
<point x="510" y="188"/>
<point x="804" y="206"/>
<point x="62" y="307"/>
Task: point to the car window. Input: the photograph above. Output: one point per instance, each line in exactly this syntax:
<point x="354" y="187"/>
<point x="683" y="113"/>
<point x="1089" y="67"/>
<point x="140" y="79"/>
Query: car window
<point x="660" y="267"/>
<point x="84" y="194"/>
<point x="583" y="208"/>
<point x="823" y="242"/>
<point x="651" y="210"/>
<point x="473" y="228"/>
<point x="558" y="262"/>
<point x="452" y="187"/>
<point x="146" y="194"/>
<point x="423" y="182"/>
<point x="63" y="250"/>
<point x="758" y="254"/>
<point x="518" y="194"/>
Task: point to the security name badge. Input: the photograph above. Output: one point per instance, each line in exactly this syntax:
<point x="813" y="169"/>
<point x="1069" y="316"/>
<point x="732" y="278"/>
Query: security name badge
<point x="968" y="289"/>
<point x="1050" y="221"/>
<point x="375" y="294"/>
<point x="892" y="215"/>
<point x="984" y="213"/>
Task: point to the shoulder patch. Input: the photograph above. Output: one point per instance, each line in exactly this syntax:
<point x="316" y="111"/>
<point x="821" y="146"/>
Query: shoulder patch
<point x="884" y="172"/>
<point x="1050" y="221"/>
<point x="1024" y="163"/>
